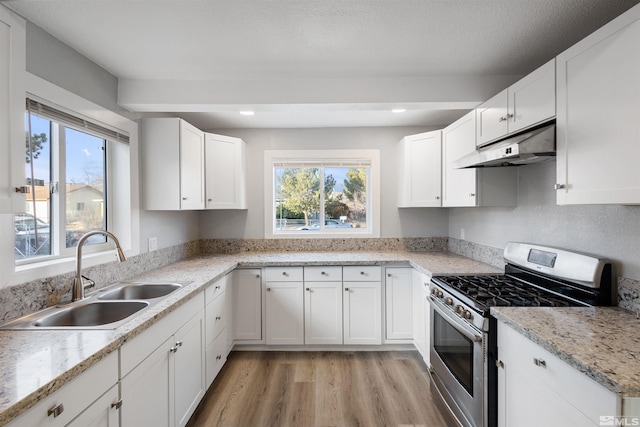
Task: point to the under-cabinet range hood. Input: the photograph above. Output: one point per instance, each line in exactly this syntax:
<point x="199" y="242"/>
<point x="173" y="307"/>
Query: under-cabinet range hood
<point x="533" y="146"/>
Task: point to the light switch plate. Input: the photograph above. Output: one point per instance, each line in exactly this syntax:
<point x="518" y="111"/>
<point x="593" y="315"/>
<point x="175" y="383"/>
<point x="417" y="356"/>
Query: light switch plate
<point x="153" y="244"/>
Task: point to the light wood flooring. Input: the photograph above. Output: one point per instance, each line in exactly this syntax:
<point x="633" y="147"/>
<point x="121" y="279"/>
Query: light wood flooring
<point x="320" y="389"/>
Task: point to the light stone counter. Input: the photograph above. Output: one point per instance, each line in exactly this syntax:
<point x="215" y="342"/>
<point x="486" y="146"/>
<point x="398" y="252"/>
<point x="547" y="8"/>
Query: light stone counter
<point x="34" y="364"/>
<point x="601" y="342"/>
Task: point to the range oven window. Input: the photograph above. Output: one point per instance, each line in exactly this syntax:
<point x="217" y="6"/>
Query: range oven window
<point x="455" y="350"/>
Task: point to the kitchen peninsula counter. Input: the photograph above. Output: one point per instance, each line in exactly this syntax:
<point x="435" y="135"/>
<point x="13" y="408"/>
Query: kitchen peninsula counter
<point x="601" y="342"/>
<point x="36" y="363"/>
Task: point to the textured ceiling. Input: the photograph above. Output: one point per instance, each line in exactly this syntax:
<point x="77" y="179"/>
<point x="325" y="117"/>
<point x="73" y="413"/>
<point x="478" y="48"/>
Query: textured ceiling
<point x="206" y="40"/>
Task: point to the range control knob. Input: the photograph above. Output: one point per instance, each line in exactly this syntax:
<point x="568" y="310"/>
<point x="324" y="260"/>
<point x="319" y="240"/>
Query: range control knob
<point x="466" y="314"/>
<point x="458" y="309"/>
<point x="436" y="292"/>
<point x="448" y="301"/>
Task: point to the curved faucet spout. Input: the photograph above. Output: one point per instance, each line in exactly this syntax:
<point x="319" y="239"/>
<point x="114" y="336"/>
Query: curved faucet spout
<point x="78" y="282"/>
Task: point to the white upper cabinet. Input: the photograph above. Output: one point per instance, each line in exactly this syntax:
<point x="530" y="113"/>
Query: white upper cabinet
<point x="528" y="102"/>
<point x="420" y="170"/>
<point x="12" y="106"/>
<point x="172" y="165"/>
<point x="598" y="131"/>
<point x="225" y="172"/>
<point x="472" y="187"/>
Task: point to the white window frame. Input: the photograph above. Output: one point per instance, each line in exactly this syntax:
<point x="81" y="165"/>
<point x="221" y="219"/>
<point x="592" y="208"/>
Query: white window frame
<point x="122" y="189"/>
<point x="274" y="157"/>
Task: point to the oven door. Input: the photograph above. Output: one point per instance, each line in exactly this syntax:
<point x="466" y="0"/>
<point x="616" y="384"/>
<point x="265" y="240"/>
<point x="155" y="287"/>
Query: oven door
<point x="457" y="360"/>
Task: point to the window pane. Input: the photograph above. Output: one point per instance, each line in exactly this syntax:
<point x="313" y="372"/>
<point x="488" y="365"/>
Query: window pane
<point x="297" y="201"/>
<point x="32" y="229"/>
<point x="85" y="192"/>
<point x="353" y="195"/>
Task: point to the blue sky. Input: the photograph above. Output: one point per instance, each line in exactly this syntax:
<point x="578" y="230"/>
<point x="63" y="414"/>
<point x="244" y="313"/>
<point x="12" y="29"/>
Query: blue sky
<point x="83" y="153"/>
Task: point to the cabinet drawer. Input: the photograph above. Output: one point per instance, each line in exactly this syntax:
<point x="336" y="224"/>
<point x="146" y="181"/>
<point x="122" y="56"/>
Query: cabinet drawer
<point x="139" y="347"/>
<point x="583" y="393"/>
<point x="215" y="289"/>
<point x="323" y="274"/>
<point x="216" y="318"/>
<point x="369" y="273"/>
<point x="284" y="274"/>
<point x="216" y="356"/>
<point x="74" y="396"/>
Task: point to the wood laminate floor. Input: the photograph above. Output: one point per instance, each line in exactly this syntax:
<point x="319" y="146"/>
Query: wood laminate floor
<point x="320" y="389"/>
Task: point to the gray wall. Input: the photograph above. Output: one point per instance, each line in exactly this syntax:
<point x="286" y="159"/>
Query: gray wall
<point x="612" y="231"/>
<point x="394" y="222"/>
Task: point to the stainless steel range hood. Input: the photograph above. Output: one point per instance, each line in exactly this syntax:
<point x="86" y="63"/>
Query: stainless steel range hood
<point x="532" y="146"/>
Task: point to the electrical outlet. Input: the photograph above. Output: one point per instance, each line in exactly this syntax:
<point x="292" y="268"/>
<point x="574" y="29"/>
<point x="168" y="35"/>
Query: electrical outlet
<point x="153" y="244"/>
<point x="462" y="234"/>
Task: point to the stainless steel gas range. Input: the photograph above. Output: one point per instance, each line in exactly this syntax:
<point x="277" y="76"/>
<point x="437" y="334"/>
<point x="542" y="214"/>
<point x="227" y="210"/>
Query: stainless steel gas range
<point x="463" y="347"/>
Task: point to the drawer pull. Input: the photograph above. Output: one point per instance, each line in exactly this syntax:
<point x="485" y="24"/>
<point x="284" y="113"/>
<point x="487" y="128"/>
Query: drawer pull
<point x="218" y="357"/>
<point x="284" y="273"/>
<point x="308" y="290"/>
<point x="218" y="317"/>
<point x="362" y="273"/>
<point x="117" y="405"/>
<point x="323" y="273"/>
<point x="268" y="289"/>
<point x="55" y="410"/>
<point x="346" y="289"/>
<point x="217" y="287"/>
<point x="539" y="362"/>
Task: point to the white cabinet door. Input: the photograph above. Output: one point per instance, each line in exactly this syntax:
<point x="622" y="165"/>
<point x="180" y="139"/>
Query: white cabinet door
<point x="189" y="369"/>
<point x="323" y="313"/>
<point x="362" y="308"/>
<point x="399" y="303"/>
<point x="532" y="99"/>
<point x="492" y="118"/>
<point x="225" y="171"/>
<point x="191" y="167"/>
<point x="246" y="309"/>
<point x="102" y="413"/>
<point x="12" y="105"/>
<point x="147" y="391"/>
<point x="419" y="325"/>
<point x="598" y="131"/>
<point x="172" y="165"/>
<point x="420" y="170"/>
<point x="458" y="140"/>
<point x="536" y="388"/>
<point x="285" y="313"/>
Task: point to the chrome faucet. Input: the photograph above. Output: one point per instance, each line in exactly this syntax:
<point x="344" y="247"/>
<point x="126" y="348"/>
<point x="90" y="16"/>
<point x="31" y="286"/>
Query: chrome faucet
<point x="79" y="282"/>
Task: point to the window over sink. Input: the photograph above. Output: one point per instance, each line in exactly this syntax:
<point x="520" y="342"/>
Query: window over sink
<point x="322" y="193"/>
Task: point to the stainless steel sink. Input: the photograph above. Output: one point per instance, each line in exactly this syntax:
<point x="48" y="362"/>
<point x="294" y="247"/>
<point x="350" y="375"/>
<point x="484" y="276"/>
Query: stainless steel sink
<point x="95" y="313"/>
<point x="107" y="308"/>
<point x="140" y="291"/>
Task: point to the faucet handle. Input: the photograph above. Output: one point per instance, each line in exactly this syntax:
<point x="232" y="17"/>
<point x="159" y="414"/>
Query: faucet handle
<point x="87" y="283"/>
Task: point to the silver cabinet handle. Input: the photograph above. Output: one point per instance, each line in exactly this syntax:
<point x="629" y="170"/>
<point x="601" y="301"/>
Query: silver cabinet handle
<point x="218" y="357"/>
<point x="502" y="119"/>
<point x="284" y="273"/>
<point x="175" y="347"/>
<point x="117" y="405"/>
<point x="472" y="194"/>
<point x="257" y="276"/>
<point x="218" y="317"/>
<point x="539" y="362"/>
<point x="559" y="187"/>
<point x="268" y="289"/>
<point x="362" y="273"/>
<point x="323" y="273"/>
<point x="346" y="289"/>
<point x="308" y="290"/>
<point x="55" y="410"/>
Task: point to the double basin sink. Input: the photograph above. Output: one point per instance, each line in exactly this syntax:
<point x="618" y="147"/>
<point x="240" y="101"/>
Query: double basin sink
<point x="107" y="308"/>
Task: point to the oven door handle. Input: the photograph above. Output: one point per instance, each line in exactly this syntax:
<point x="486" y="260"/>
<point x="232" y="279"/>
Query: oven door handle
<point x="465" y="330"/>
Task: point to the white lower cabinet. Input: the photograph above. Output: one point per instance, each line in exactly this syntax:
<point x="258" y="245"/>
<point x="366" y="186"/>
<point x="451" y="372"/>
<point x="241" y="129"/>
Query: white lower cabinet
<point x="246" y="306"/>
<point x="163" y="387"/>
<point x="399" y="303"/>
<point x="91" y="399"/>
<point x="216" y="313"/>
<point x="362" y="309"/>
<point x="362" y="305"/>
<point x="323" y="313"/>
<point x="285" y="313"/>
<point x="536" y="388"/>
<point x="421" y="314"/>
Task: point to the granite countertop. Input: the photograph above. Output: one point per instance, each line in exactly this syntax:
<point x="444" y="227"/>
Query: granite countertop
<point x="34" y="364"/>
<point x="601" y="342"/>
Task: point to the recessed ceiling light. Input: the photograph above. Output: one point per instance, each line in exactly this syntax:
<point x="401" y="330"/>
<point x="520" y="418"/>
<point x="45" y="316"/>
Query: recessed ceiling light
<point x="398" y="110"/>
<point x="247" y="113"/>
